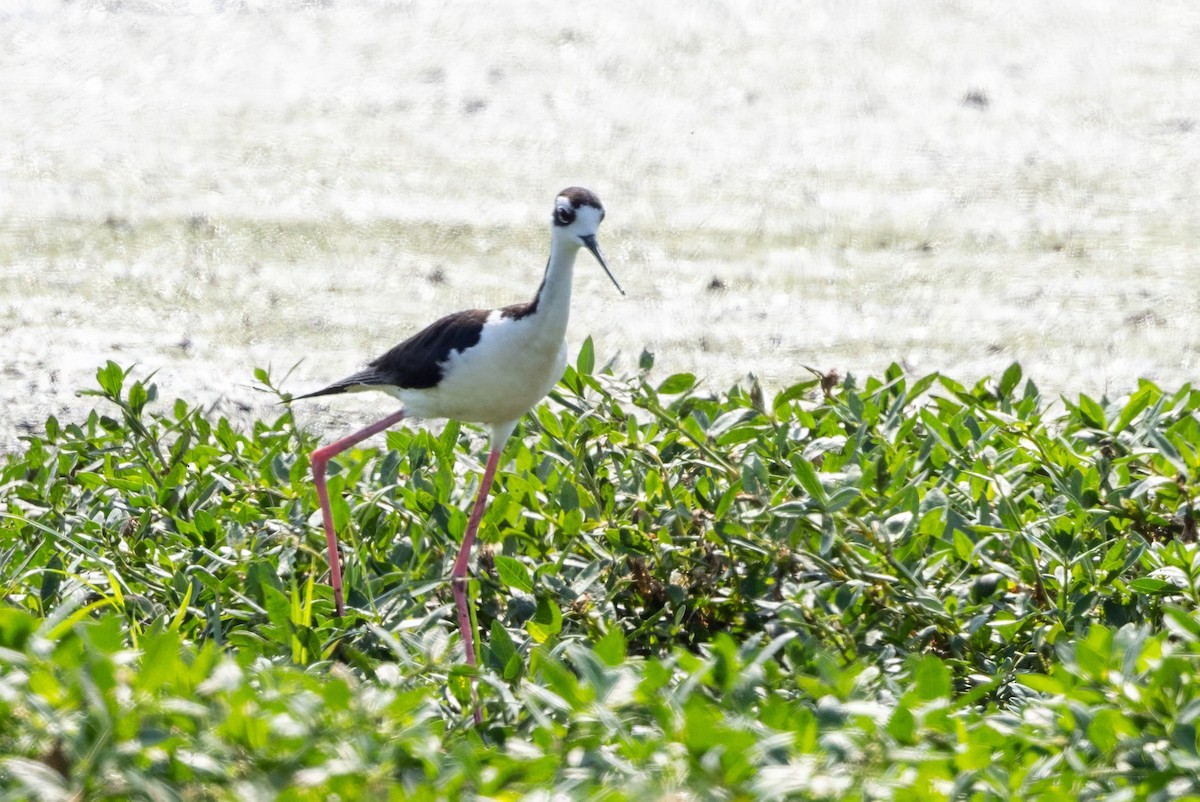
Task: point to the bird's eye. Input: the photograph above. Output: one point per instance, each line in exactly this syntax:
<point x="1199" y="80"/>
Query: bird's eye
<point x="564" y="215"/>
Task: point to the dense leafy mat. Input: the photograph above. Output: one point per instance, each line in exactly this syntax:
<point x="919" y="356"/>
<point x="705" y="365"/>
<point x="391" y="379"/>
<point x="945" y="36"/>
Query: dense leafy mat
<point x="886" y="589"/>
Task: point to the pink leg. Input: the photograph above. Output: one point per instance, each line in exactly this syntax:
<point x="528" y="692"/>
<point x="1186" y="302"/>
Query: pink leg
<point x="320" y="459"/>
<point x="458" y="575"/>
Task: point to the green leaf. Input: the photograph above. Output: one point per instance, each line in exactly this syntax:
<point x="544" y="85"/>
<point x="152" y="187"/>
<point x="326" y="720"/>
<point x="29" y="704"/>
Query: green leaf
<point x="568" y="496"/>
<point x="279" y="607"/>
<point x="1109" y="727"/>
<point x="931" y="679"/>
<point x="51" y="580"/>
<point x="260" y="575"/>
<point x="1168" y="450"/>
<point x="110" y="378"/>
<point x="1154" y="587"/>
<point x="1010" y="380"/>
<point x="160" y="660"/>
<point x="1091" y="413"/>
<point x="547" y="621"/>
<point x="182" y="612"/>
<point x="1042" y="683"/>
<point x="611" y="648"/>
<point x="902" y="725"/>
<point x="919" y="387"/>
<point x="1182" y="624"/>
<point x="501" y="646"/>
<point x="1136" y="404"/>
<point x="16" y="626"/>
<point x="679" y="383"/>
<point x="559" y="679"/>
<point x="137" y="398"/>
<point x="587" y="358"/>
<point x="1092" y="652"/>
<point x="459" y="683"/>
<point x="963" y="546"/>
<point x="806" y="475"/>
<point x="513" y="573"/>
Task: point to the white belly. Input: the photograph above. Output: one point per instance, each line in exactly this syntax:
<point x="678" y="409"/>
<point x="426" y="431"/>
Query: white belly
<point x="511" y="368"/>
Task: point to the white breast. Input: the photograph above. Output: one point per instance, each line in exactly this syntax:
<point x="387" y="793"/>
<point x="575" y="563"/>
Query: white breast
<point x="511" y="368"/>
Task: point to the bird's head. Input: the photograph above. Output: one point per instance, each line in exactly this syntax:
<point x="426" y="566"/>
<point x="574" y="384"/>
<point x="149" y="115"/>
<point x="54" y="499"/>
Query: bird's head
<point x="577" y="216"/>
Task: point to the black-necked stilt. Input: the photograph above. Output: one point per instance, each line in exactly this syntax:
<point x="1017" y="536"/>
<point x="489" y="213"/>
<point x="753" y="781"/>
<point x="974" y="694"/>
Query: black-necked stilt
<point x="479" y="366"/>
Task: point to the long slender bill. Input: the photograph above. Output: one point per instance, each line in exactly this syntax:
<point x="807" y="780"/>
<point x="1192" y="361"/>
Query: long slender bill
<point x="590" y="242"/>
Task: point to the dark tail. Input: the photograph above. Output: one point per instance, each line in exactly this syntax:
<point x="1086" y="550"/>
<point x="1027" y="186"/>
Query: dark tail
<point x="359" y="381"/>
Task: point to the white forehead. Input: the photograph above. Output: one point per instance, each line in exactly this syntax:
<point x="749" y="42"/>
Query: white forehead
<point x="586" y="212"/>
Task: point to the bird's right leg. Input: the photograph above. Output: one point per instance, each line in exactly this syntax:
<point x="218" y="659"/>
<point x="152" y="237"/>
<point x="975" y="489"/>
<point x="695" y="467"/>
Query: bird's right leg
<point x="320" y="461"/>
<point x="458" y="575"/>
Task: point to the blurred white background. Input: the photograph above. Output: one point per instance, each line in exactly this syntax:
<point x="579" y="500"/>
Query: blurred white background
<point x="202" y="188"/>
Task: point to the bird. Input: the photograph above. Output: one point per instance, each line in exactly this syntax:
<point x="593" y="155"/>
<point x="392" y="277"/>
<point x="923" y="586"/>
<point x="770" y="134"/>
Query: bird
<point x="483" y="366"/>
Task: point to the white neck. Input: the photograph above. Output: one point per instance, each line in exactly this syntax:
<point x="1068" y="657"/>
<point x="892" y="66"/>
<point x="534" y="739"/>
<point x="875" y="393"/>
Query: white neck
<point x="554" y="296"/>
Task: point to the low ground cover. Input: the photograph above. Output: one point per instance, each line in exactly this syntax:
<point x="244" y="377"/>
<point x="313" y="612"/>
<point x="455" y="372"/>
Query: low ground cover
<point x="890" y="588"/>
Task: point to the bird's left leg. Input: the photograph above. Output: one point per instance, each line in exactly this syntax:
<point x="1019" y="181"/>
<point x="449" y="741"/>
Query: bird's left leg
<point x="320" y="460"/>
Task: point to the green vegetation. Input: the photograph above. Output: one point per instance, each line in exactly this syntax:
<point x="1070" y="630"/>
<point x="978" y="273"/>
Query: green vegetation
<point x="895" y="588"/>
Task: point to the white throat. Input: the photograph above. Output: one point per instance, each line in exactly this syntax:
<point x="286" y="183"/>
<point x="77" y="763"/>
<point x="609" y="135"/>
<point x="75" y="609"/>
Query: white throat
<point x="554" y="296"/>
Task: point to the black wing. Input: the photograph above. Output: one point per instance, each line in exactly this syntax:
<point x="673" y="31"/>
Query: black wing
<point x="416" y="363"/>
